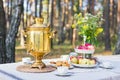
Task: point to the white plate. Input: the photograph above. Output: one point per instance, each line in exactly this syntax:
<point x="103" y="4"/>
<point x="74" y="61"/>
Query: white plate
<point x="84" y="51"/>
<point x="85" y="66"/>
<point x="66" y="74"/>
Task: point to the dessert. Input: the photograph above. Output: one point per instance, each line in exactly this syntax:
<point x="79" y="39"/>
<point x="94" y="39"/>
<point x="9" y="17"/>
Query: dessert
<point x="86" y="48"/>
<point x="60" y="63"/>
<point x="83" y="61"/>
<point x="84" y="58"/>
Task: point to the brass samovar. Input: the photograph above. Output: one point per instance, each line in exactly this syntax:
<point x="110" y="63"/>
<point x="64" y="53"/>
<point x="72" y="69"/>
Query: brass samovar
<point x="38" y="42"/>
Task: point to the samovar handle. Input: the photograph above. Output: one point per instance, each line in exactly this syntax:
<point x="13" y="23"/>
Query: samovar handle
<point x="24" y="33"/>
<point x="52" y="34"/>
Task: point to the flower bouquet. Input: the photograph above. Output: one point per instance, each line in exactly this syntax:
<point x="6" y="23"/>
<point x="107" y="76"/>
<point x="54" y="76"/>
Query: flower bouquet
<point x="88" y="26"/>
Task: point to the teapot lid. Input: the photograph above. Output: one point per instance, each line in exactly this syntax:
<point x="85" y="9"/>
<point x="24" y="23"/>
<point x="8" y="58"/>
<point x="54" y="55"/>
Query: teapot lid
<point x="39" y="23"/>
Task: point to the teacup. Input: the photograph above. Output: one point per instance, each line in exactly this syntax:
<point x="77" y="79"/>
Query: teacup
<point x="64" y="57"/>
<point x="26" y="60"/>
<point x="62" y="69"/>
<point x="73" y="54"/>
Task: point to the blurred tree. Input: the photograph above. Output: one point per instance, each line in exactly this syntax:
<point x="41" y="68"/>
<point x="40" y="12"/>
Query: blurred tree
<point x="51" y="13"/>
<point x="12" y="33"/>
<point x="66" y="12"/>
<point x="72" y="7"/>
<point x="76" y="8"/>
<point x="113" y="21"/>
<point x="73" y="29"/>
<point x="36" y="10"/>
<point x="91" y="4"/>
<point x="114" y="16"/>
<point x="2" y="33"/>
<point x="61" y="35"/>
<point x="117" y="49"/>
<point x="107" y="24"/>
<point x="45" y="5"/>
<point x="40" y="8"/>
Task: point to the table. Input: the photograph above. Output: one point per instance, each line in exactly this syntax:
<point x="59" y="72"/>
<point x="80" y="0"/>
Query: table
<point x="8" y="72"/>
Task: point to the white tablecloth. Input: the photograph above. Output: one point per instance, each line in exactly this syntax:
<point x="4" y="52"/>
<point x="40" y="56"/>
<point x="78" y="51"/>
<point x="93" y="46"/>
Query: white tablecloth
<point x="8" y="72"/>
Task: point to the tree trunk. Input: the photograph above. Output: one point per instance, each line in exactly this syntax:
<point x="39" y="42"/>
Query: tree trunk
<point x="117" y="50"/>
<point x="73" y="30"/>
<point x="51" y="13"/>
<point x="40" y="8"/>
<point x="36" y="10"/>
<point x="91" y="4"/>
<point x="2" y="33"/>
<point x="106" y="25"/>
<point x="61" y="22"/>
<point x="115" y="27"/>
<point x="13" y="30"/>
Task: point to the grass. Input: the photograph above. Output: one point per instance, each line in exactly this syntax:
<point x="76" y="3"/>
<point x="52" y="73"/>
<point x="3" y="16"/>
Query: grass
<point x="58" y="50"/>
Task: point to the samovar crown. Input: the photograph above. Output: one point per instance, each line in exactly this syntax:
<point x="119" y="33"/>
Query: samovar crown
<point x="39" y="20"/>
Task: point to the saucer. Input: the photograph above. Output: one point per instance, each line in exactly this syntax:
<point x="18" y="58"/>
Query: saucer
<point x="106" y="67"/>
<point x="85" y="65"/>
<point x="65" y="74"/>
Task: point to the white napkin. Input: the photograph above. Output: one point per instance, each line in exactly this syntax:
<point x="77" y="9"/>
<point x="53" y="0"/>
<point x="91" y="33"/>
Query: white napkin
<point x="106" y="64"/>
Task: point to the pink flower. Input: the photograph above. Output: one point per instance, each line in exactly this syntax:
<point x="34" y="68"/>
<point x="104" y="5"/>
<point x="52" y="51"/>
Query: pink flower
<point x="87" y="44"/>
<point x="82" y="47"/>
<point x="91" y="47"/>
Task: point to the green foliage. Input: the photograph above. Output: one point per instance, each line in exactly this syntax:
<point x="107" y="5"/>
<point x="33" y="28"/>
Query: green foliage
<point x="76" y="6"/>
<point x="88" y="25"/>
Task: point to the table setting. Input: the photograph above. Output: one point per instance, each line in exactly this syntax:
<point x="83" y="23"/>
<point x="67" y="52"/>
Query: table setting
<point x="80" y="64"/>
<point x="104" y="65"/>
<point x="9" y="72"/>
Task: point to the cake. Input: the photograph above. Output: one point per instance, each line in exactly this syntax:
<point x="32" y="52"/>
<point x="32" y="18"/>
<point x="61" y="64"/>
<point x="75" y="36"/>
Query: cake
<point x="84" y="58"/>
